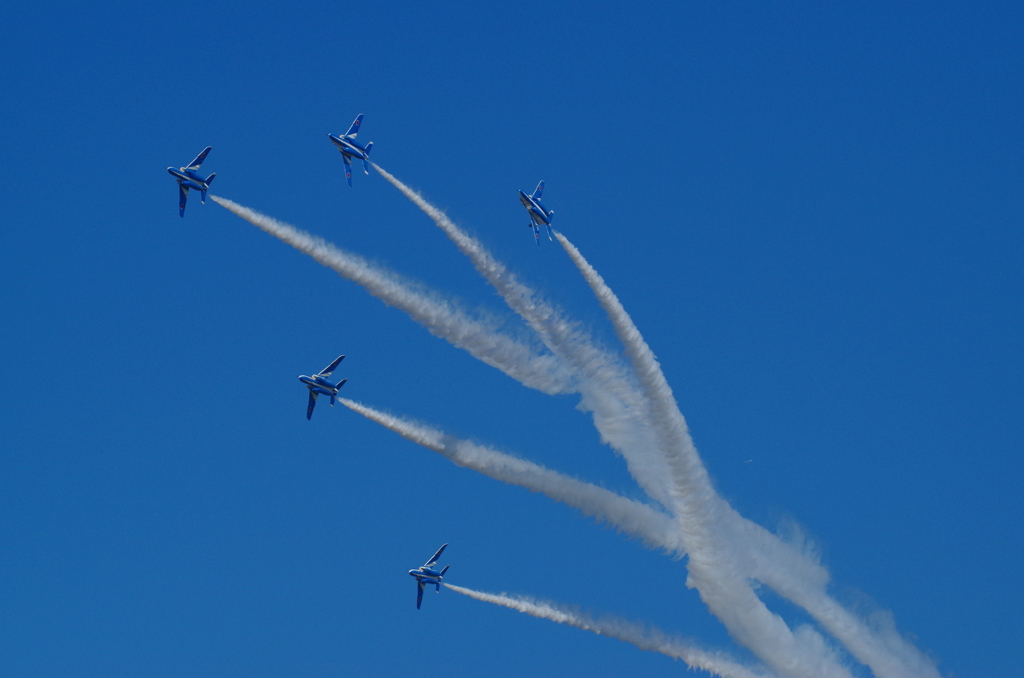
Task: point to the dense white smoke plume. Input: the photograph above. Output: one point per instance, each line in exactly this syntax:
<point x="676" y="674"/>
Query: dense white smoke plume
<point x="604" y="382"/>
<point x="666" y="464"/>
<point x="774" y="563"/>
<point x="646" y="638"/>
<point x="627" y="515"/>
<point x="441" y="317"/>
<point x="635" y="411"/>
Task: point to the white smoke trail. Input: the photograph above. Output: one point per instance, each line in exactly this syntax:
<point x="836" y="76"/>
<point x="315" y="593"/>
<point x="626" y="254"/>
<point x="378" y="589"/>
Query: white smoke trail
<point x="885" y="652"/>
<point x="618" y="409"/>
<point x="631" y="517"/>
<point x="643" y="637"/>
<point x="713" y="572"/>
<point x="440" y="317"/>
<point x="654" y="528"/>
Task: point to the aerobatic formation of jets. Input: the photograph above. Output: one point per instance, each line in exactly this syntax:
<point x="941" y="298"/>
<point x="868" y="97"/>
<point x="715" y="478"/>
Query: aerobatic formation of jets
<point x="188" y="178"/>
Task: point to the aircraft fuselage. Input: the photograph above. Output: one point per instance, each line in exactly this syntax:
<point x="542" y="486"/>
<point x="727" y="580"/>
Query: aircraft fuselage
<point x="349" y="147"/>
<point x="188" y="178"/>
<point x="319" y="385"/>
<point x="538" y="214"/>
<point x="426" y="575"/>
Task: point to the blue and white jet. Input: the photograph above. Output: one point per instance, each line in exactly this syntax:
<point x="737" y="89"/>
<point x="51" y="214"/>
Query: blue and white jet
<point x="426" y="574"/>
<point x="538" y="215"/>
<point x="350" y="149"/>
<point x="188" y="177"/>
<point x="318" y="384"/>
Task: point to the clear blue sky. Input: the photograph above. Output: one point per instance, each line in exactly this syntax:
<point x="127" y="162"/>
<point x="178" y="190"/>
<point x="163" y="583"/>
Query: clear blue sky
<point x="814" y="215"/>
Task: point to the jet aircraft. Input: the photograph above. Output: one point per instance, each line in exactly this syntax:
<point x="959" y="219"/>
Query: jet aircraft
<point x="538" y="215"/>
<point x="188" y="177"/>
<point x="426" y="574"/>
<point x="318" y="384"/>
<point x="350" y="149"/>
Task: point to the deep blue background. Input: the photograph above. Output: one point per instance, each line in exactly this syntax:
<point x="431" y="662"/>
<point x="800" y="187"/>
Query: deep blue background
<point x="814" y="215"/>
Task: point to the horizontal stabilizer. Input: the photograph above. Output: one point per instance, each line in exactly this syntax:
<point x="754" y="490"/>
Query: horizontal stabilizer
<point x="445" y="569"/>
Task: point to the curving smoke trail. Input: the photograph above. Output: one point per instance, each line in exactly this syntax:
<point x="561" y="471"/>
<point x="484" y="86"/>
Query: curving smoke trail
<point x="802" y="580"/>
<point x="604" y="382"/>
<point x="711" y="525"/>
<point x="644" y="637"/>
<point x="645" y="425"/>
<point x="632" y="517"/>
<point x="439" y="316"/>
<point x="639" y="418"/>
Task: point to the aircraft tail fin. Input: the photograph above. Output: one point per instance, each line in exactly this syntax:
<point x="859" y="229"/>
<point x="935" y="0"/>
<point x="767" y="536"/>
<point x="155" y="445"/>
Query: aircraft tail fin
<point x="366" y="162"/>
<point x="202" y="197"/>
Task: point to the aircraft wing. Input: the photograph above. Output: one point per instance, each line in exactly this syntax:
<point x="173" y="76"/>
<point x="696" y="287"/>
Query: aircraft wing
<point x="312" y="403"/>
<point x="194" y="165"/>
<point x="182" y="198"/>
<point x="419" y="594"/>
<point x="348" y="168"/>
<point x="354" y="129"/>
<point x="437" y="555"/>
<point x="326" y="372"/>
<point x="537" y="191"/>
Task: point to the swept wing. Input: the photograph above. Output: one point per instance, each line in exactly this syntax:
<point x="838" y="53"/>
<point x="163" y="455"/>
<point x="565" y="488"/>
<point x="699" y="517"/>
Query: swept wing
<point x="354" y="129"/>
<point x="326" y="372"/>
<point x="194" y="165"/>
<point x="433" y="560"/>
